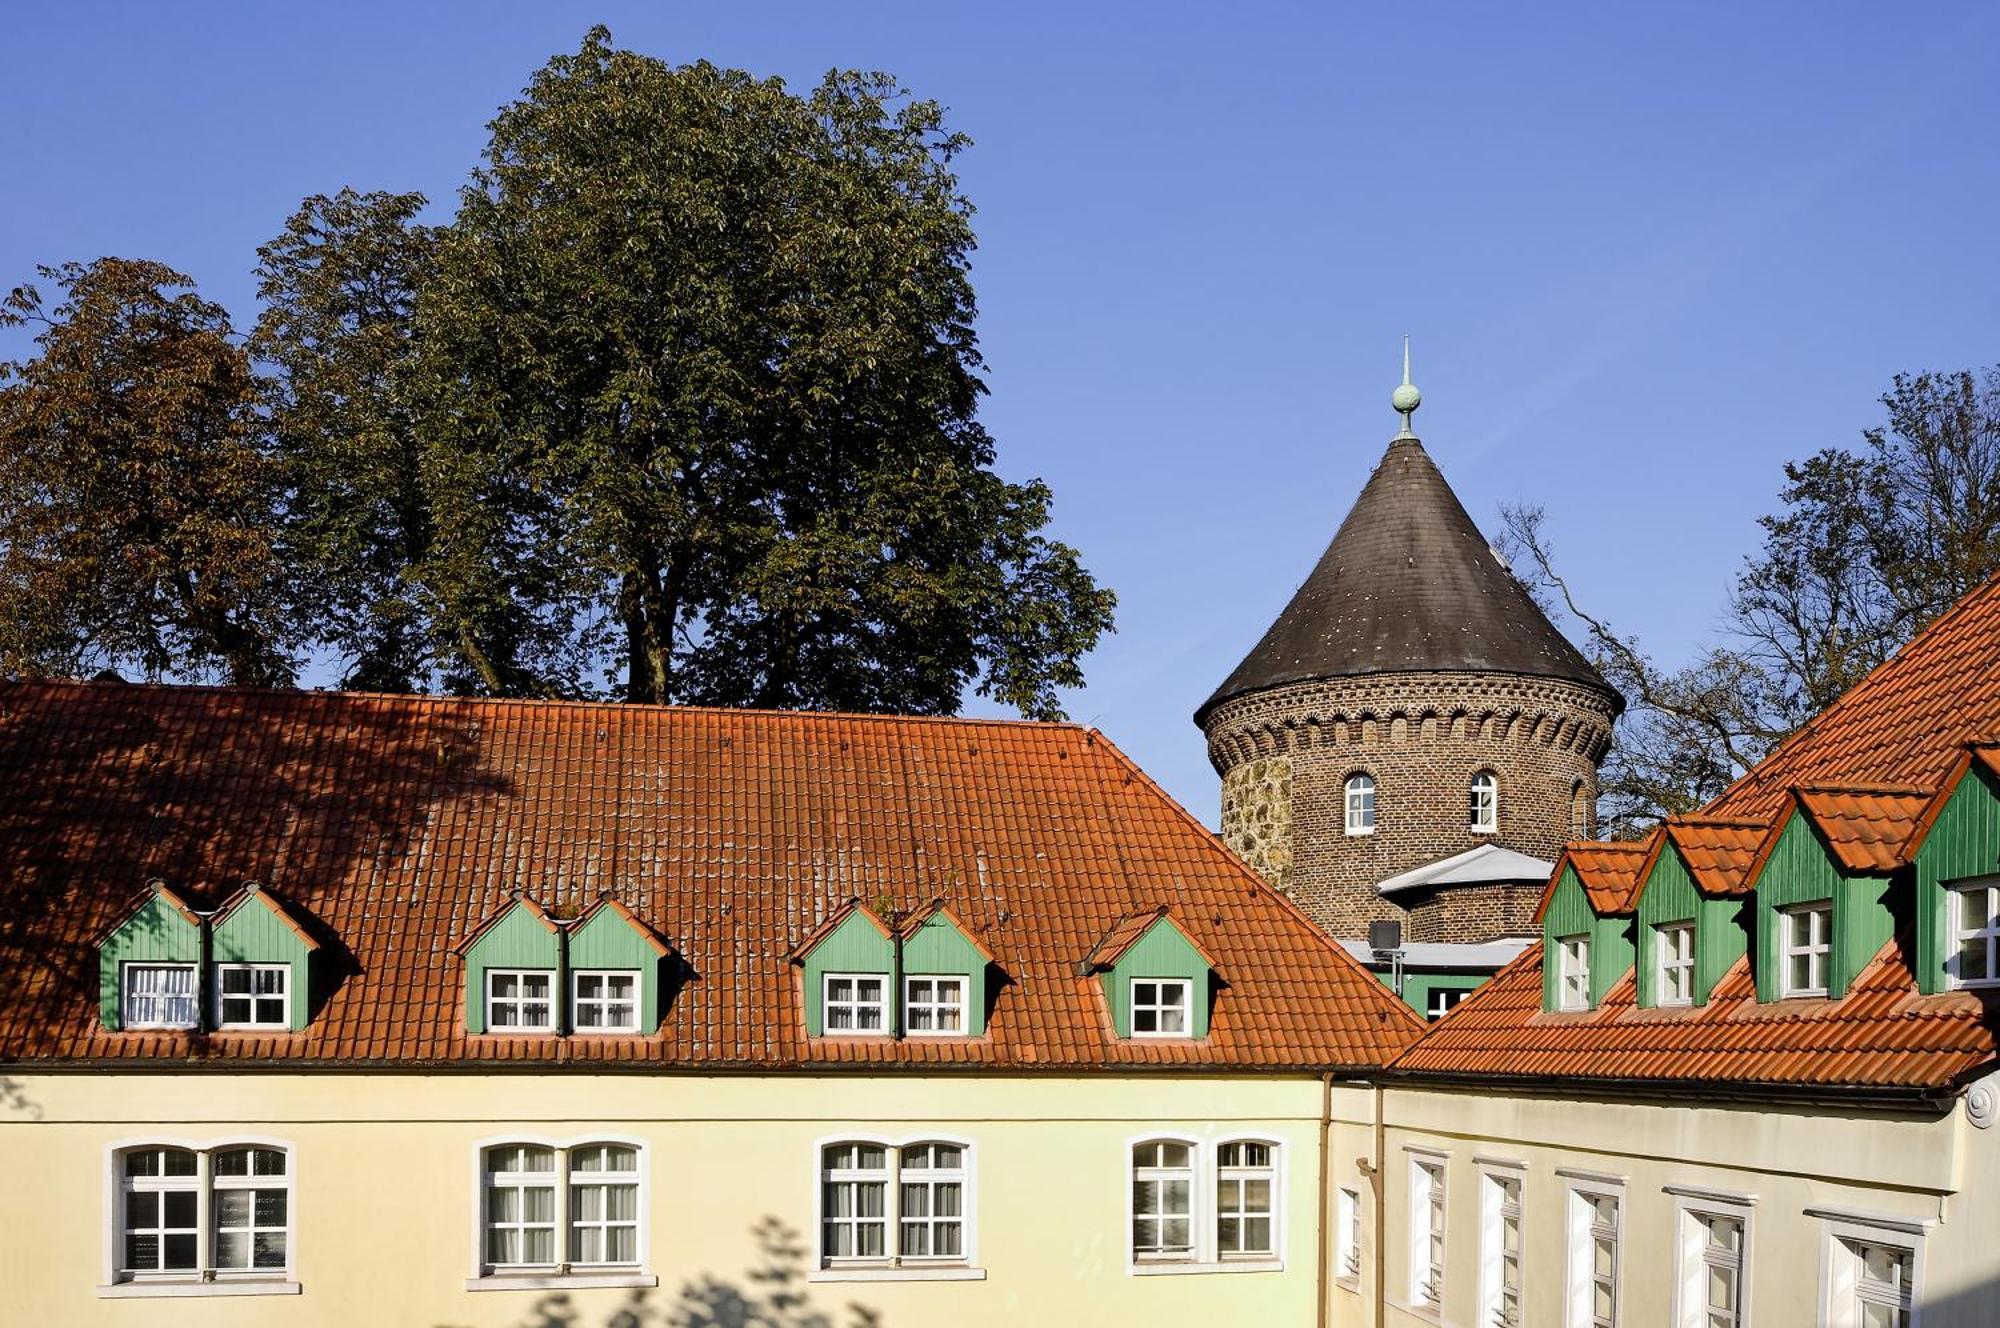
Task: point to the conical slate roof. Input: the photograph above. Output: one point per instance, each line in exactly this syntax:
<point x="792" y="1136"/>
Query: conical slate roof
<point x="1408" y="585"/>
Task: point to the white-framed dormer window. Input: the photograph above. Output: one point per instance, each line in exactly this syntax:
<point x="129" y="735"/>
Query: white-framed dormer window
<point x="208" y="1220"/>
<point x="1871" y="1269"/>
<point x="1974" y="957"/>
<point x="1573" y="973"/>
<point x="560" y="1213"/>
<point x="1347" y="1237"/>
<point x="1160" y="1007"/>
<point x="520" y="1000"/>
<point x="934" y="1005"/>
<point x="605" y="1000"/>
<point x="1673" y="963"/>
<point x="854" y="1003"/>
<point x="157" y="996"/>
<point x="1805" y="938"/>
<point x="894" y="1208"/>
<point x="1500" y="1249"/>
<point x="1595" y="1241"/>
<point x="1712" y="1260"/>
<point x="1482" y="803"/>
<point x="1427" y="1232"/>
<point x="253" y="995"/>
<point x="1360" y="792"/>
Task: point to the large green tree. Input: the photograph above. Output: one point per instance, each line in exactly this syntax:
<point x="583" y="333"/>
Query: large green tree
<point x="698" y="385"/>
<point x="137" y="505"/>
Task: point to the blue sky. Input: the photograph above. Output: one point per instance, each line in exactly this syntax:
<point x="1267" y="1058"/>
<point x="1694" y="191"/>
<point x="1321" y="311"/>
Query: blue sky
<point x="1646" y="253"/>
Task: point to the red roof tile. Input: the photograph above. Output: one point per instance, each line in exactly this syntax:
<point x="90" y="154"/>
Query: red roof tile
<point x="1866" y="828"/>
<point x="395" y="826"/>
<point x="1719" y="854"/>
<point x="1608" y="872"/>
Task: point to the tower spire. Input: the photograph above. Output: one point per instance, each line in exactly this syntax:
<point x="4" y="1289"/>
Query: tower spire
<point x="1406" y="398"/>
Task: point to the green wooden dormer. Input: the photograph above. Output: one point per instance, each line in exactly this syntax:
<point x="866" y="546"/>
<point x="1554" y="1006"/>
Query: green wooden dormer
<point x="863" y="977"/>
<point x="1819" y="920"/>
<point x="602" y="973"/>
<point x="1956" y="854"/>
<point x="607" y="941"/>
<point x="1693" y="923"/>
<point x="151" y="961"/>
<point x="249" y="965"/>
<point x="849" y="962"/>
<point x="937" y="950"/>
<point x="1158" y="981"/>
<point x="1587" y="924"/>
<point x="264" y="961"/>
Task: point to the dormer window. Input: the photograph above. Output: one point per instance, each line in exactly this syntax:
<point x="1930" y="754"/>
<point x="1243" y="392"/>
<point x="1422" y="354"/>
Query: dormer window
<point x="253" y="995"/>
<point x="1805" y="937"/>
<point x="605" y="1000"/>
<point x="1573" y="953"/>
<point x="1360" y="804"/>
<point x="1483" y="803"/>
<point x="934" y="1005"/>
<point x="1674" y="951"/>
<point x="854" y="1003"/>
<point x="1160" y="1007"/>
<point x="158" y="996"/>
<point x="1974" y="959"/>
<point x="520" y="1000"/>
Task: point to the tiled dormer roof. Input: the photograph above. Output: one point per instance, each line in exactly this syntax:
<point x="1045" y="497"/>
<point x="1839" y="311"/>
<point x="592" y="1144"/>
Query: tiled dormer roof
<point x="1719" y="854"/>
<point x="1608" y="872"/>
<point x="395" y="826"/>
<point x="1867" y="829"/>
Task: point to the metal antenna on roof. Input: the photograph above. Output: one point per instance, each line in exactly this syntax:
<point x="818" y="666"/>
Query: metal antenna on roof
<point x="1406" y="398"/>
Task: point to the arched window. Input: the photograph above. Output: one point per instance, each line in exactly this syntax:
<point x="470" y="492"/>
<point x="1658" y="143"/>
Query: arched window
<point x="1246" y="1184"/>
<point x="543" y="1206"/>
<point x="165" y="1232"/>
<point x="1162" y="1201"/>
<point x="1482" y="803"/>
<point x="1360" y="804"/>
<point x="1579" y="811"/>
<point x="917" y="1191"/>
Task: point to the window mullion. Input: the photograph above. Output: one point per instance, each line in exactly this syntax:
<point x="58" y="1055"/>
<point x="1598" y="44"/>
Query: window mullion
<point x="204" y="1221"/>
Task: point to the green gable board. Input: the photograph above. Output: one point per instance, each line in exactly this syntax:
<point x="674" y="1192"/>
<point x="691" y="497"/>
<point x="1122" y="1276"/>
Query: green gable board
<point x="857" y="945"/>
<point x="609" y="940"/>
<point x="1802" y="870"/>
<point x="253" y="933"/>
<point x="1162" y="951"/>
<point x="1963" y="842"/>
<point x="1570" y="914"/>
<point x="156" y="933"/>
<point x="519" y="939"/>
<point x="1720" y="936"/>
<point x="937" y="948"/>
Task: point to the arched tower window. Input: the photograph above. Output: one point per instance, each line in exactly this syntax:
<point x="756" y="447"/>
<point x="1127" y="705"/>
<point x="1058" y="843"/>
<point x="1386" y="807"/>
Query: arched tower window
<point x="1360" y="804"/>
<point x="1482" y="803"/>
<point x="1579" y="811"/>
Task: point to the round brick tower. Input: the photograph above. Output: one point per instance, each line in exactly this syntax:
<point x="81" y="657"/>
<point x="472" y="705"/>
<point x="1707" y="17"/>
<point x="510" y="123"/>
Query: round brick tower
<point x="1412" y="703"/>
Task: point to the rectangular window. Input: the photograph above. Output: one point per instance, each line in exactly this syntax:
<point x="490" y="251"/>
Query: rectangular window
<point x="520" y="1000"/>
<point x="1673" y="974"/>
<point x="1805" y="936"/>
<point x="1347" y="1232"/>
<point x="603" y="1204"/>
<point x="1162" y="1201"/>
<point x="605" y="1000"/>
<point x="930" y="1202"/>
<point x="1426" y="1233"/>
<point x="1873" y="1283"/>
<point x="1974" y="958"/>
<point x="916" y="1190"/>
<point x="1711" y="1269"/>
<point x="1593" y="1258"/>
<point x="934" y="1005"/>
<point x="166" y="1232"/>
<point x="1244" y="1182"/>
<point x="1160" y="1007"/>
<point x="1500" y="1252"/>
<point x="252" y="995"/>
<point x="1573" y="958"/>
<point x="854" y="1003"/>
<point x="158" y="996"/>
<point x="1440" y="1001"/>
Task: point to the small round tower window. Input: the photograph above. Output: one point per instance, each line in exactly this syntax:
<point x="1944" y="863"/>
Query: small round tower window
<point x="1482" y="803"/>
<point x="1360" y="804"/>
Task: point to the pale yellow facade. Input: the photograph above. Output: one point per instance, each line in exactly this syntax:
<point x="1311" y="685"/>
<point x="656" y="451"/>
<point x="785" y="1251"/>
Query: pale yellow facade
<point x="1800" y="1177"/>
<point x="384" y="1195"/>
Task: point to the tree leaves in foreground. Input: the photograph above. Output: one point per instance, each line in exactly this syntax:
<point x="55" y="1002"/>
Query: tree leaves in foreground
<point x="1870" y="546"/>
<point x="699" y="379"/>
<point x="136" y="504"/>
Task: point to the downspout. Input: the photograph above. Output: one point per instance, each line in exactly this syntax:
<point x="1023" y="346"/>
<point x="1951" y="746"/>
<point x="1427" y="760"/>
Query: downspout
<point x="561" y="995"/>
<point x="1372" y="1169"/>
<point x="1324" y="1281"/>
<point x="895" y="992"/>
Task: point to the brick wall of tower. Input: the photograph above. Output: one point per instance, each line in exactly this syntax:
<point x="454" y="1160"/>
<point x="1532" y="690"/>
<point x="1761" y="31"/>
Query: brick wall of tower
<point x="1285" y="755"/>
<point x="1474" y="913"/>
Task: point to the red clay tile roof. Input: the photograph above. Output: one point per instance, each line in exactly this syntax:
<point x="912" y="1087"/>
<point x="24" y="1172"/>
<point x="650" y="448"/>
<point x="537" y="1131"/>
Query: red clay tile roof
<point x="1608" y="872"/>
<point x="1125" y="934"/>
<point x="395" y="825"/>
<point x="1864" y="770"/>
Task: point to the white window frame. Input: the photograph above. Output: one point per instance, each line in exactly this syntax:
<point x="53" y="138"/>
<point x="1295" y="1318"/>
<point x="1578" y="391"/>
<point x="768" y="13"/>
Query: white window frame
<point x="561" y="1274"/>
<point x="1692" y="1207"/>
<point x="1494" y="1177"/>
<point x="205" y="1279"/>
<point x="1841" y="1228"/>
<point x="553" y="1000"/>
<point x="1580" y="1236"/>
<point x="1671" y="960"/>
<point x="1347" y="1239"/>
<point x="1430" y="1223"/>
<point x="935" y="1005"/>
<point x="283" y="996"/>
<point x="1204" y="1175"/>
<point x="1432" y="1004"/>
<point x="880" y="1005"/>
<point x="1160" y="1006"/>
<point x="1482" y="804"/>
<point x="128" y="968"/>
<point x="1820" y="949"/>
<point x="1243" y="1173"/>
<point x="1573" y="971"/>
<point x="1957" y="933"/>
<point x="1358" y="802"/>
<point x="604" y="1004"/>
<point x="893" y="1265"/>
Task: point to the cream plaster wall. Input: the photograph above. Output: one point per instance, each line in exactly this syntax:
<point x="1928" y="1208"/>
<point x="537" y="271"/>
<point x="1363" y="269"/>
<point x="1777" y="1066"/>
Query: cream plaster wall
<point x="1937" y="1170"/>
<point x="384" y="1190"/>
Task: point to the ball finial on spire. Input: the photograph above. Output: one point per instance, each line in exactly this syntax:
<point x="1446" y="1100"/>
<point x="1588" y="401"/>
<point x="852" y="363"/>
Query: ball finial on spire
<point x="1406" y="398"/>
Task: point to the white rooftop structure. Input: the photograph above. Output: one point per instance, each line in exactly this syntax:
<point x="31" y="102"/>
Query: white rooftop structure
<point x="1487" y="864"/>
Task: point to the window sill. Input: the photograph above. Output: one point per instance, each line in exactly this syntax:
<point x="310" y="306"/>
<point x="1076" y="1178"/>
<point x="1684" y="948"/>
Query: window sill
<point x="1190" y="1269"/>
<point x="560" y="1281"/>
<point x="244" y="1287"/>
<point x="913" y="1273"/>
<point x="1352" y="1284"/>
